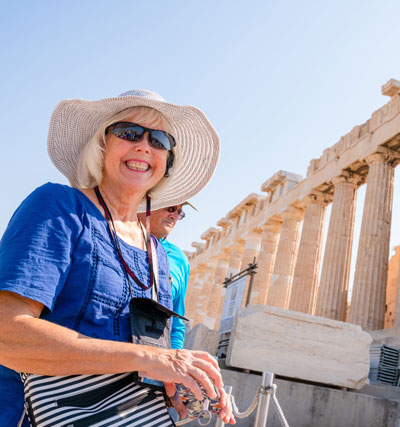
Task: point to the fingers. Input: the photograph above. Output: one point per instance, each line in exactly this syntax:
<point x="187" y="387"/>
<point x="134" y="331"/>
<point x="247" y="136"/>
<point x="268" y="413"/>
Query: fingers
<point x="180" y="407"/>
<point x="194" y="369"/>
<point x="207" y="357"/>
<point x="225" y="413"/>
<point x="211" y="372"/>
<point x="202" y="368"/>
<point x="193" y="386"/>
<point x="170" y="389"/>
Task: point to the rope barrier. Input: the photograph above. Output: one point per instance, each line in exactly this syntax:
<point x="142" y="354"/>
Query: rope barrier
<point x="248" y="411"/>
<point x="278" y="407"/>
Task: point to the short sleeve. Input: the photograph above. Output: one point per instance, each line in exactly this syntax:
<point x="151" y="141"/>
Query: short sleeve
<point x="37" y="246"/>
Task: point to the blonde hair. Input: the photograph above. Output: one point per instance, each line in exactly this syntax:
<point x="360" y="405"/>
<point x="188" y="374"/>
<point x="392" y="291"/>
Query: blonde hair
<point x="91" y="159"/>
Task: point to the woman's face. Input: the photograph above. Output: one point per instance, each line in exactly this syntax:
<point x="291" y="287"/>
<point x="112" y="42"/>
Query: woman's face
<point x="137" y="166"/>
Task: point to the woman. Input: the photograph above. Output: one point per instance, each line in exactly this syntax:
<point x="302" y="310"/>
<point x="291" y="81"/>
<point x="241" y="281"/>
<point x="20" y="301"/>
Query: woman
<point x="72" y="258"/>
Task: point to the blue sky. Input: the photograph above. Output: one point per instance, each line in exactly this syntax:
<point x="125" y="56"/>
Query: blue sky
<point x="281" y="81"/>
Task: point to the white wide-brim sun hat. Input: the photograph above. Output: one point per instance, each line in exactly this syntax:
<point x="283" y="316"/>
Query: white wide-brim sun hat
<point x="75" y="121"/>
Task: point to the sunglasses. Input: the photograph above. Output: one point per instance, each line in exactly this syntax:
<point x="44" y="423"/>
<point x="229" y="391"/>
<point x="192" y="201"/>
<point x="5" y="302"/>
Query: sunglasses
<point x="173" y="209"/>
<point x="134" y="132"/>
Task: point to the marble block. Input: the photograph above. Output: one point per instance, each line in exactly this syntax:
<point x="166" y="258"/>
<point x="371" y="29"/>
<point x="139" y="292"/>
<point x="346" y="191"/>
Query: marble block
<point x="298" y="345"/>
<point x="200" y="337"/>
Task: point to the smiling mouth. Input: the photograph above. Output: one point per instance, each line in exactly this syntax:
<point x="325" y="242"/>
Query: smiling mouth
<point x="137" y="166"/>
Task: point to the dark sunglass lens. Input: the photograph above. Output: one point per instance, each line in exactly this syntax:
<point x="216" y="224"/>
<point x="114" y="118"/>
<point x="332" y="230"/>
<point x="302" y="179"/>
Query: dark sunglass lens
<point x="159" y="139"/>
<point x="128" y="131"/>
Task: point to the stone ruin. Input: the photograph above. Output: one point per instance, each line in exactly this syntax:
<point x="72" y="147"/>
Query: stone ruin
<point x="266" y="226"/>
<point x="298" y="323"/>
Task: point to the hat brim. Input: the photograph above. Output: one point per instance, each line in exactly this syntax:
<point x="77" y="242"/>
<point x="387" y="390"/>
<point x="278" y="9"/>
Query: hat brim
<point x="75" y="121"/>
<point x="191" y="205"/>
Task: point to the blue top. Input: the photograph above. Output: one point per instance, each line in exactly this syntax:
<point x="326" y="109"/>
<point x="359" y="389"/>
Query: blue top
<point x="57" y="250"/>
<point x="179" y="271"/>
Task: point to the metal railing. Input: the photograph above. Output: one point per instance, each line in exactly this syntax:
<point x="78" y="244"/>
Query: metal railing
<point x="261" y="400"/>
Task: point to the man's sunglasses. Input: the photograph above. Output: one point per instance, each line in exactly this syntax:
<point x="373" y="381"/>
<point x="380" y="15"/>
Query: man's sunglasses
<point x="134" y="132"/>
<point x="172" y="209"/>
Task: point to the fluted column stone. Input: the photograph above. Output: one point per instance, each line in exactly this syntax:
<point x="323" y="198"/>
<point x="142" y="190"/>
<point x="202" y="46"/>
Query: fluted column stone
<point x="265" y="261"/>
<point x="370" y="279"/>
<point x="306" y="272"/>
<point x="205" y="290"/>
<point x="334" y="283"/>
<point x="282" y="276"/>
<point x="193" y="293"/>
<point x="216" y="290"/>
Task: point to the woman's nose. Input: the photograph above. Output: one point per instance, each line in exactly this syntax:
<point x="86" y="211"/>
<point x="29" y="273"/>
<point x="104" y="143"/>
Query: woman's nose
<point x="143" y="145"/>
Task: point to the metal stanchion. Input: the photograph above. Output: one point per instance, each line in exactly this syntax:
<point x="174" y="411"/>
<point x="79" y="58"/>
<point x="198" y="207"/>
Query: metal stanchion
<point x="228" y="389"/>
<point x="263" y="399"/>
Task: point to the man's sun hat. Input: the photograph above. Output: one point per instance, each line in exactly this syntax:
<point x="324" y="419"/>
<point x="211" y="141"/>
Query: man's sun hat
<point x="190" y="204"/>
<point x="75" y="121"/>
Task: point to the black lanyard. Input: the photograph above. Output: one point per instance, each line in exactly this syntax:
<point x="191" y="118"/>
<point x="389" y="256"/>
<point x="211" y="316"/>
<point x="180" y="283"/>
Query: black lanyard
<point x="114" y="238"/>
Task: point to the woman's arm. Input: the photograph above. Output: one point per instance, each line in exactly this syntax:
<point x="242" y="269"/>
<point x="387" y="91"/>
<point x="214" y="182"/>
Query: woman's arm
<point x="30" y="344"/>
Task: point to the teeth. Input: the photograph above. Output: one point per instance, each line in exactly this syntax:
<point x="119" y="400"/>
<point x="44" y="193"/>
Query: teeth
<point x="139" y="166"/>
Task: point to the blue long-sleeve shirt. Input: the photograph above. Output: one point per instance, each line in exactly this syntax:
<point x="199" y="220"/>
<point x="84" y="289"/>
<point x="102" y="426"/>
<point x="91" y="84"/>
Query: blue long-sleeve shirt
<point x="179" y="272"/>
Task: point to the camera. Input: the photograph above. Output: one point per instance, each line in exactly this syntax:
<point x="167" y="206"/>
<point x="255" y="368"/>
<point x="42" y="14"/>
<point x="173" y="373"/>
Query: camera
<point x="204" y="409"/>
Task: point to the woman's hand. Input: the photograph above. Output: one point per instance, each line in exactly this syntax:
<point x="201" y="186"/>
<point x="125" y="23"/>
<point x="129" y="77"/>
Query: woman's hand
<point x="225" y="413"/>
<point x="187" y="367"/>
<point x="192" y="369"/>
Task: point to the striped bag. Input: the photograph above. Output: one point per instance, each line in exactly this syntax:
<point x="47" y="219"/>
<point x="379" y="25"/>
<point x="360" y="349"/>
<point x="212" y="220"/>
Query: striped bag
<point x="93" y="400"/>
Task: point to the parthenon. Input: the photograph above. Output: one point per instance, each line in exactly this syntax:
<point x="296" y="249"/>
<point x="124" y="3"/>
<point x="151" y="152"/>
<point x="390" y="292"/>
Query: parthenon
<point x="292" y="272"/>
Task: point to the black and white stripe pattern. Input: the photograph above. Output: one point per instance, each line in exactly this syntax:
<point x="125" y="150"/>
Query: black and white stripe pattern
<point x="93" y="400"/>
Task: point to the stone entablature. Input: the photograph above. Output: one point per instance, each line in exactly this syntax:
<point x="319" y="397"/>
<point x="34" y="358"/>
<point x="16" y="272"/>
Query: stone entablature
<point x="280" y="183"/>
<point x="391" y="88"/>
<point x="333" y="178"/>
<point x="375" y="131"/>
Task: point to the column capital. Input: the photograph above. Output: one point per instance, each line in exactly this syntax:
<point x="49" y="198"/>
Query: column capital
<point x="188" y="254"/>
<point x="318" y="197"/>
<point x="201" y="268"/>
<point x="293" y="213"/>
<point x="225" y="252"/>
<point x="384" y="155"/>
<point x="237" y="246"/>
<point x="274" y="226"/>
<point x="254" y="232"/>
<point x="224" y="223"/>
<point x="198" y="246"/>
<point x="223" y="255"/>
<point x="212" y="261"/>
<point x="209" y="233"/>
<point x="348" y="177"/>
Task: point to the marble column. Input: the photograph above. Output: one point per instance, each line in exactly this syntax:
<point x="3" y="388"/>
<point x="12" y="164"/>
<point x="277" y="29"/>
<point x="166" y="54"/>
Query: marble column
<point x="265" y="261"/>
<point x="334" y="282"/>
<point x="216" y="291"/>
<point x="396" y="314"/>
<point x="369" y="290"/>
<point x="286" y="254"/>
<point x="251" y="250"/>
<point x="204" y="295"/>
<point x="193" y="292"/>
<point x="306" y="272"/>
<point x="234" y="264"/>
